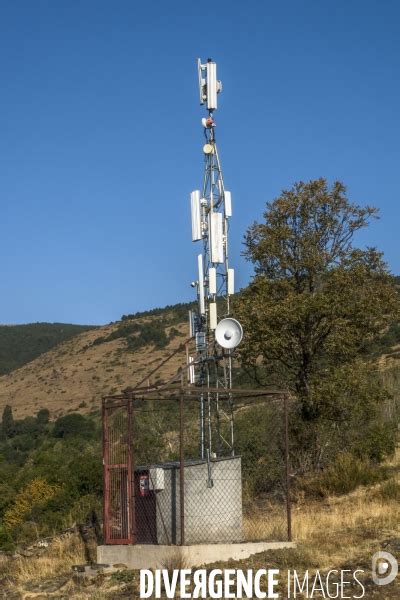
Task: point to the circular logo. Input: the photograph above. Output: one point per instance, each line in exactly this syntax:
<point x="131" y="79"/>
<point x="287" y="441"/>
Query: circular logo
<point x="384" y="568"/>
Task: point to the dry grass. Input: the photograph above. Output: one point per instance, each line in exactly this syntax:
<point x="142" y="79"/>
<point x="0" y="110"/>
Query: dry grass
<point x="338" y="529"/>
<point x="338" y="532"/>
<point x="333" y="533"/>
<point x="56" y="560"/>
<point x="265" y="521"/>
<point x="77" y="372"/>
<point x="174" y="561"/>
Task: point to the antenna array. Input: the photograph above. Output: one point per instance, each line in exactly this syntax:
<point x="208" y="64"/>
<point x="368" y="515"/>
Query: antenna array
<point x="216" y="333"/>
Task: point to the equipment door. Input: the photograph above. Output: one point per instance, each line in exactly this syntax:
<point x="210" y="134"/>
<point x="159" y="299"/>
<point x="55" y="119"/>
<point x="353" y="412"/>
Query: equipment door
<point x="145" y="510"/>
<point x="119" y="507"/>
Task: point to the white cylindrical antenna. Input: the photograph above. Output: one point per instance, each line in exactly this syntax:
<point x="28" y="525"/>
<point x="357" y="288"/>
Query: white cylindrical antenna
<point x="216" y="238"/>
<point x="196" y="215"/>
<point x="212" y="280"/>
<point x="201" y="284"/>
<point x="228" y="204"/>
<point x="213" y="315"/>
<point x="231" y="281"/>
<point x="211" y="85"/>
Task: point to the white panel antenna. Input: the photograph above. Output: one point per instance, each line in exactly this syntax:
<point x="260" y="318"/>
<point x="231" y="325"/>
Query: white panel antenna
<point x="190" y="324"/>
<point x="192" y="327"/>
<point x="216" y="238"/>
<point x="201" y="284"/>
<point x="213" y="315"/>
<point x="212" y="280"/>
<point x="231" y="281"/>
<point x="196" y="215"/>
<point x="202" y="81"/>
<point x="228" y="204"/>
<point x="211" y="85"/>
<point x="191" y="374"/>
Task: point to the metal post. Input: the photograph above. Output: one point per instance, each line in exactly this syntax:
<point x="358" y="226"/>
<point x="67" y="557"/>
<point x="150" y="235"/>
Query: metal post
<point x="106" y="495"/>
<point x="287" y="464"/>
<point x="181" y="466"/>
<point x="231" y="406"/>
<point x="131" y="472"/>
<point x="187" y="361"/>
<point x="202" y="454"/>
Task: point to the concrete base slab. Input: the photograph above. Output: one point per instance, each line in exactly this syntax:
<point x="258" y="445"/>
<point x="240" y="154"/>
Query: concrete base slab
<point x="159" y="557"/>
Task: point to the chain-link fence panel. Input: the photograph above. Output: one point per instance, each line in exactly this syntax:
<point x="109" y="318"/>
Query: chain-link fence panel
<point x="208" y="468"/>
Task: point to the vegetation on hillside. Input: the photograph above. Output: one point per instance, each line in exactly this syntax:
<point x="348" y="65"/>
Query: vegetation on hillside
<point x="50" y="473"/>
<point x="176" y="312"/>
<point x="138" y="334"/>
<point x="19" y="344"/>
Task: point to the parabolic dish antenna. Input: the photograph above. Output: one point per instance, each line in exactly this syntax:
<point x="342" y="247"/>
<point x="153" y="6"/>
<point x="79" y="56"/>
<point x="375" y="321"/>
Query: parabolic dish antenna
<point x="229" y="333"/>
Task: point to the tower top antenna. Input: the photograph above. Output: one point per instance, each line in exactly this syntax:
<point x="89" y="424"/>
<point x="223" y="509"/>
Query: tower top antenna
<point x="209" y="85"/>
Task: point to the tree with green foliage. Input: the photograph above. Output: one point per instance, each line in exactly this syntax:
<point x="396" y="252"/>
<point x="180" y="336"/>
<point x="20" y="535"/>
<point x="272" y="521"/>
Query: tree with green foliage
<point x="7" y="422"/>
<point x="73" y="424"/>
<point x="316" y="301"/>
<point x="43" y="416"/>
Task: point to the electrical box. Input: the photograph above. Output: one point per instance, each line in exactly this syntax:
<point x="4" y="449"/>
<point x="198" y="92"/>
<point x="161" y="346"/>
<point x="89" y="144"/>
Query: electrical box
<point x="200" y="341"/>
<point x="144" y="484"/>
<point x="212" y="496"/>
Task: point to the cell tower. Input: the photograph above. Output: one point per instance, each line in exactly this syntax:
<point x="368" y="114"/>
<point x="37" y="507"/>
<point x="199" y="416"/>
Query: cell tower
<point x="215" y="332"/>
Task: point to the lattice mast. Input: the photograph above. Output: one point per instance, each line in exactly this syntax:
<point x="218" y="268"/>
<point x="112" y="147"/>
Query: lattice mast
<point x="216" y="334"/>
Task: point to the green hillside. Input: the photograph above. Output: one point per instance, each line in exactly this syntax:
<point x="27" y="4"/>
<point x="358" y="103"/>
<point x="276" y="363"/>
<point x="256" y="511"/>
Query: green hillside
<point x="20" y="344"/>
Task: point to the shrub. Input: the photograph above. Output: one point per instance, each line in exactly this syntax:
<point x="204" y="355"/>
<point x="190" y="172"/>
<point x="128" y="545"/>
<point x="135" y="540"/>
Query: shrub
<point x="43" y="416"/>
<point x="37" y="492"/>
<point x="7" y="422"/>
<point x="84" y="507"/>
<point x="138" y="335"/>
<point x="344" y="475"/>
<point x="377" y="442"/>
<point x="86" y="474"/>
<point x="390" y="491"/>
<point x="174" y="332"/>
<point x="125" y="576"/>
<point x="7" y="495"/>
<point x="72" y="425"/>
<point x="259" y="436"/>
<point x="6" y="541"/>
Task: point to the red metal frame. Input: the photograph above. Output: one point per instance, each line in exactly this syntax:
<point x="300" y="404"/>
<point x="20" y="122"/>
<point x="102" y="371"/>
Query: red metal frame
<point x="118" y="462"/>
<point x="119" y="501"/>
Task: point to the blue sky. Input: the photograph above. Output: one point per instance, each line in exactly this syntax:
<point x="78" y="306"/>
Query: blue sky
<point x="100" y="137"/>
